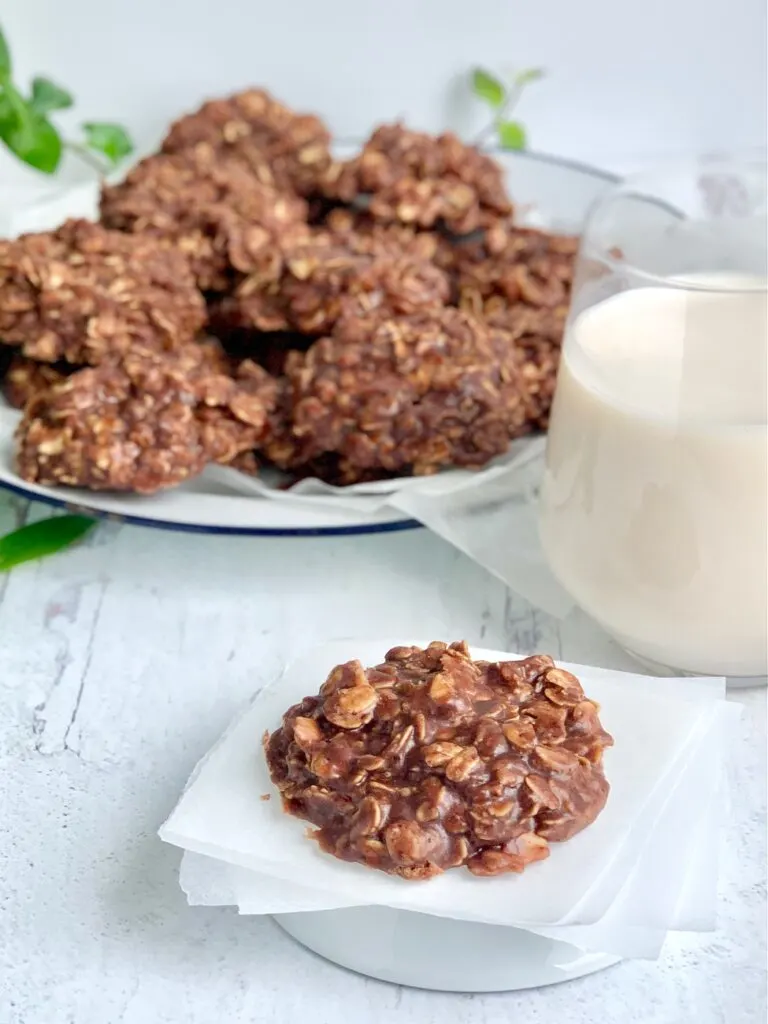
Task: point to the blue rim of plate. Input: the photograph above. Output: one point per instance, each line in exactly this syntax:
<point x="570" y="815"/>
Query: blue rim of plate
<point x="396" y="526"/>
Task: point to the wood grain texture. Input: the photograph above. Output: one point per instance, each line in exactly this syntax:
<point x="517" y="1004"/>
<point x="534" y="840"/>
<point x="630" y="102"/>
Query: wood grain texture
<point x="122" y="660"/>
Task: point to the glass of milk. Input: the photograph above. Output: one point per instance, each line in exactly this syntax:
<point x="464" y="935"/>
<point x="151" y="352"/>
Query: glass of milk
<point x="654" y="506"/>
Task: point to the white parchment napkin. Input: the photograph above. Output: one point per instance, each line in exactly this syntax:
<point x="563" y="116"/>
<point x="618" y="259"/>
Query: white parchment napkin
<point x="489" y="514"/>
<point x="222" y="816"/>
<point x="678" y="861"/>
<point x="679" y="857"/>
<point x="210" y="882"/>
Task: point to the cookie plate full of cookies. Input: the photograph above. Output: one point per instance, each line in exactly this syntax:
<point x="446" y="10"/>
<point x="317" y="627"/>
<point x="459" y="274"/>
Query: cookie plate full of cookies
<point x="257" y="329"/>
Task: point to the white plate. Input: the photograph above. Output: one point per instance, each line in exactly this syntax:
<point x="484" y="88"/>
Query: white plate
<point x="547" y="191"/>
<point x="439" y="953"/>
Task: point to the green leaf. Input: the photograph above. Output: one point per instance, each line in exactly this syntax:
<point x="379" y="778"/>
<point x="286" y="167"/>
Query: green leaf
<point x="528" y="76"/>
<point x="7" y="115"/>
<point x="36" y="142"/>
<point x="41" y="539"/>
<point x="512" y="135"/>
<point x="5" y="57"/>
<point x="47" y="96"/>
<point x="26" y="133"/>
<point x="488" y="88"/>
<point x="112" y="141"/>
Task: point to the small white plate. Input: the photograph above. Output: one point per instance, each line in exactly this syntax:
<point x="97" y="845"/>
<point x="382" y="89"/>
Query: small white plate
<point x="439" y="953"/>
<point x="547" y="191"/>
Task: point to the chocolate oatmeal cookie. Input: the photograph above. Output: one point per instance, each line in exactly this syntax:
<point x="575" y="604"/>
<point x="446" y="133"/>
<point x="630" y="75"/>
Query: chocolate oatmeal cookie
<point x="83" y="294"/>
<point x="320" y="281"/>
<point x="410" y="394"/>
<point x="24" y="379"/>
<point x="285" y="150"/>
<point x="422" y="180"/>
<point x="518" y="280"/>
<point x="144" y="422"/>
<point x="210" y="208"/>
<point x="432" y="761"/>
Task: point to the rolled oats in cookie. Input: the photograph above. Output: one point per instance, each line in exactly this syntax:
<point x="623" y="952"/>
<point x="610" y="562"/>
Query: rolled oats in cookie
<point x="358" y="231"/>
<point x="321" y="281"/>
<point x="518" y="280"/>
<point x="514" y="270"/>
<point x="142" y="423"/>
<point x="233" y="413"/>
<point x="405" y="395"/>
<point x="538" y="357"/>
<point x="432" y="760"/>
<point x="211" y="208"/>
<point x="284" y="149"/>
<point x="24" y="379"/>
<point x="422" y="180"/>
<point x="84" y="294"/>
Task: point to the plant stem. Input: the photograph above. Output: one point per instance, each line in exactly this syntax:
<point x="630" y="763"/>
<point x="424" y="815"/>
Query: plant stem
<point x="87" y="157"/>
<point x="10" y="91"/>
<point x="511" y="99"/>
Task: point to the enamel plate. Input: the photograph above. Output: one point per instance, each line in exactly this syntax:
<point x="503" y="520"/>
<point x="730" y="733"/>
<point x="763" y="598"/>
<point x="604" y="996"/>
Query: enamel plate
<point x="547" y="192"/>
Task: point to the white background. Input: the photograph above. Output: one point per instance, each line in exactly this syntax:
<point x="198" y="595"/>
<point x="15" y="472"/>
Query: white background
<point x="626" y="81"/>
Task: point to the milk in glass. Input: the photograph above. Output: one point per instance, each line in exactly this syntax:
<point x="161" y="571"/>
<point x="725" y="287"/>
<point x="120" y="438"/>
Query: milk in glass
<point x="654" y="510"/>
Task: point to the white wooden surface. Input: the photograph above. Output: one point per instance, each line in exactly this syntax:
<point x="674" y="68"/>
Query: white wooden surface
<point x="123" y="660"/>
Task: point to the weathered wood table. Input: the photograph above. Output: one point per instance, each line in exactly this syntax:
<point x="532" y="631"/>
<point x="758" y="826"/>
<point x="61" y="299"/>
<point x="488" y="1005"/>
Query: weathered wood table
<point x="122" y="661"/>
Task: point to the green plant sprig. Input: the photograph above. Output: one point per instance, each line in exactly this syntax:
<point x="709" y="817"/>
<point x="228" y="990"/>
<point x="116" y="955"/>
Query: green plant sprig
<point x="28" y="132"/>
<point x="502" y="99"/>
<point x="41" y="539"/>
